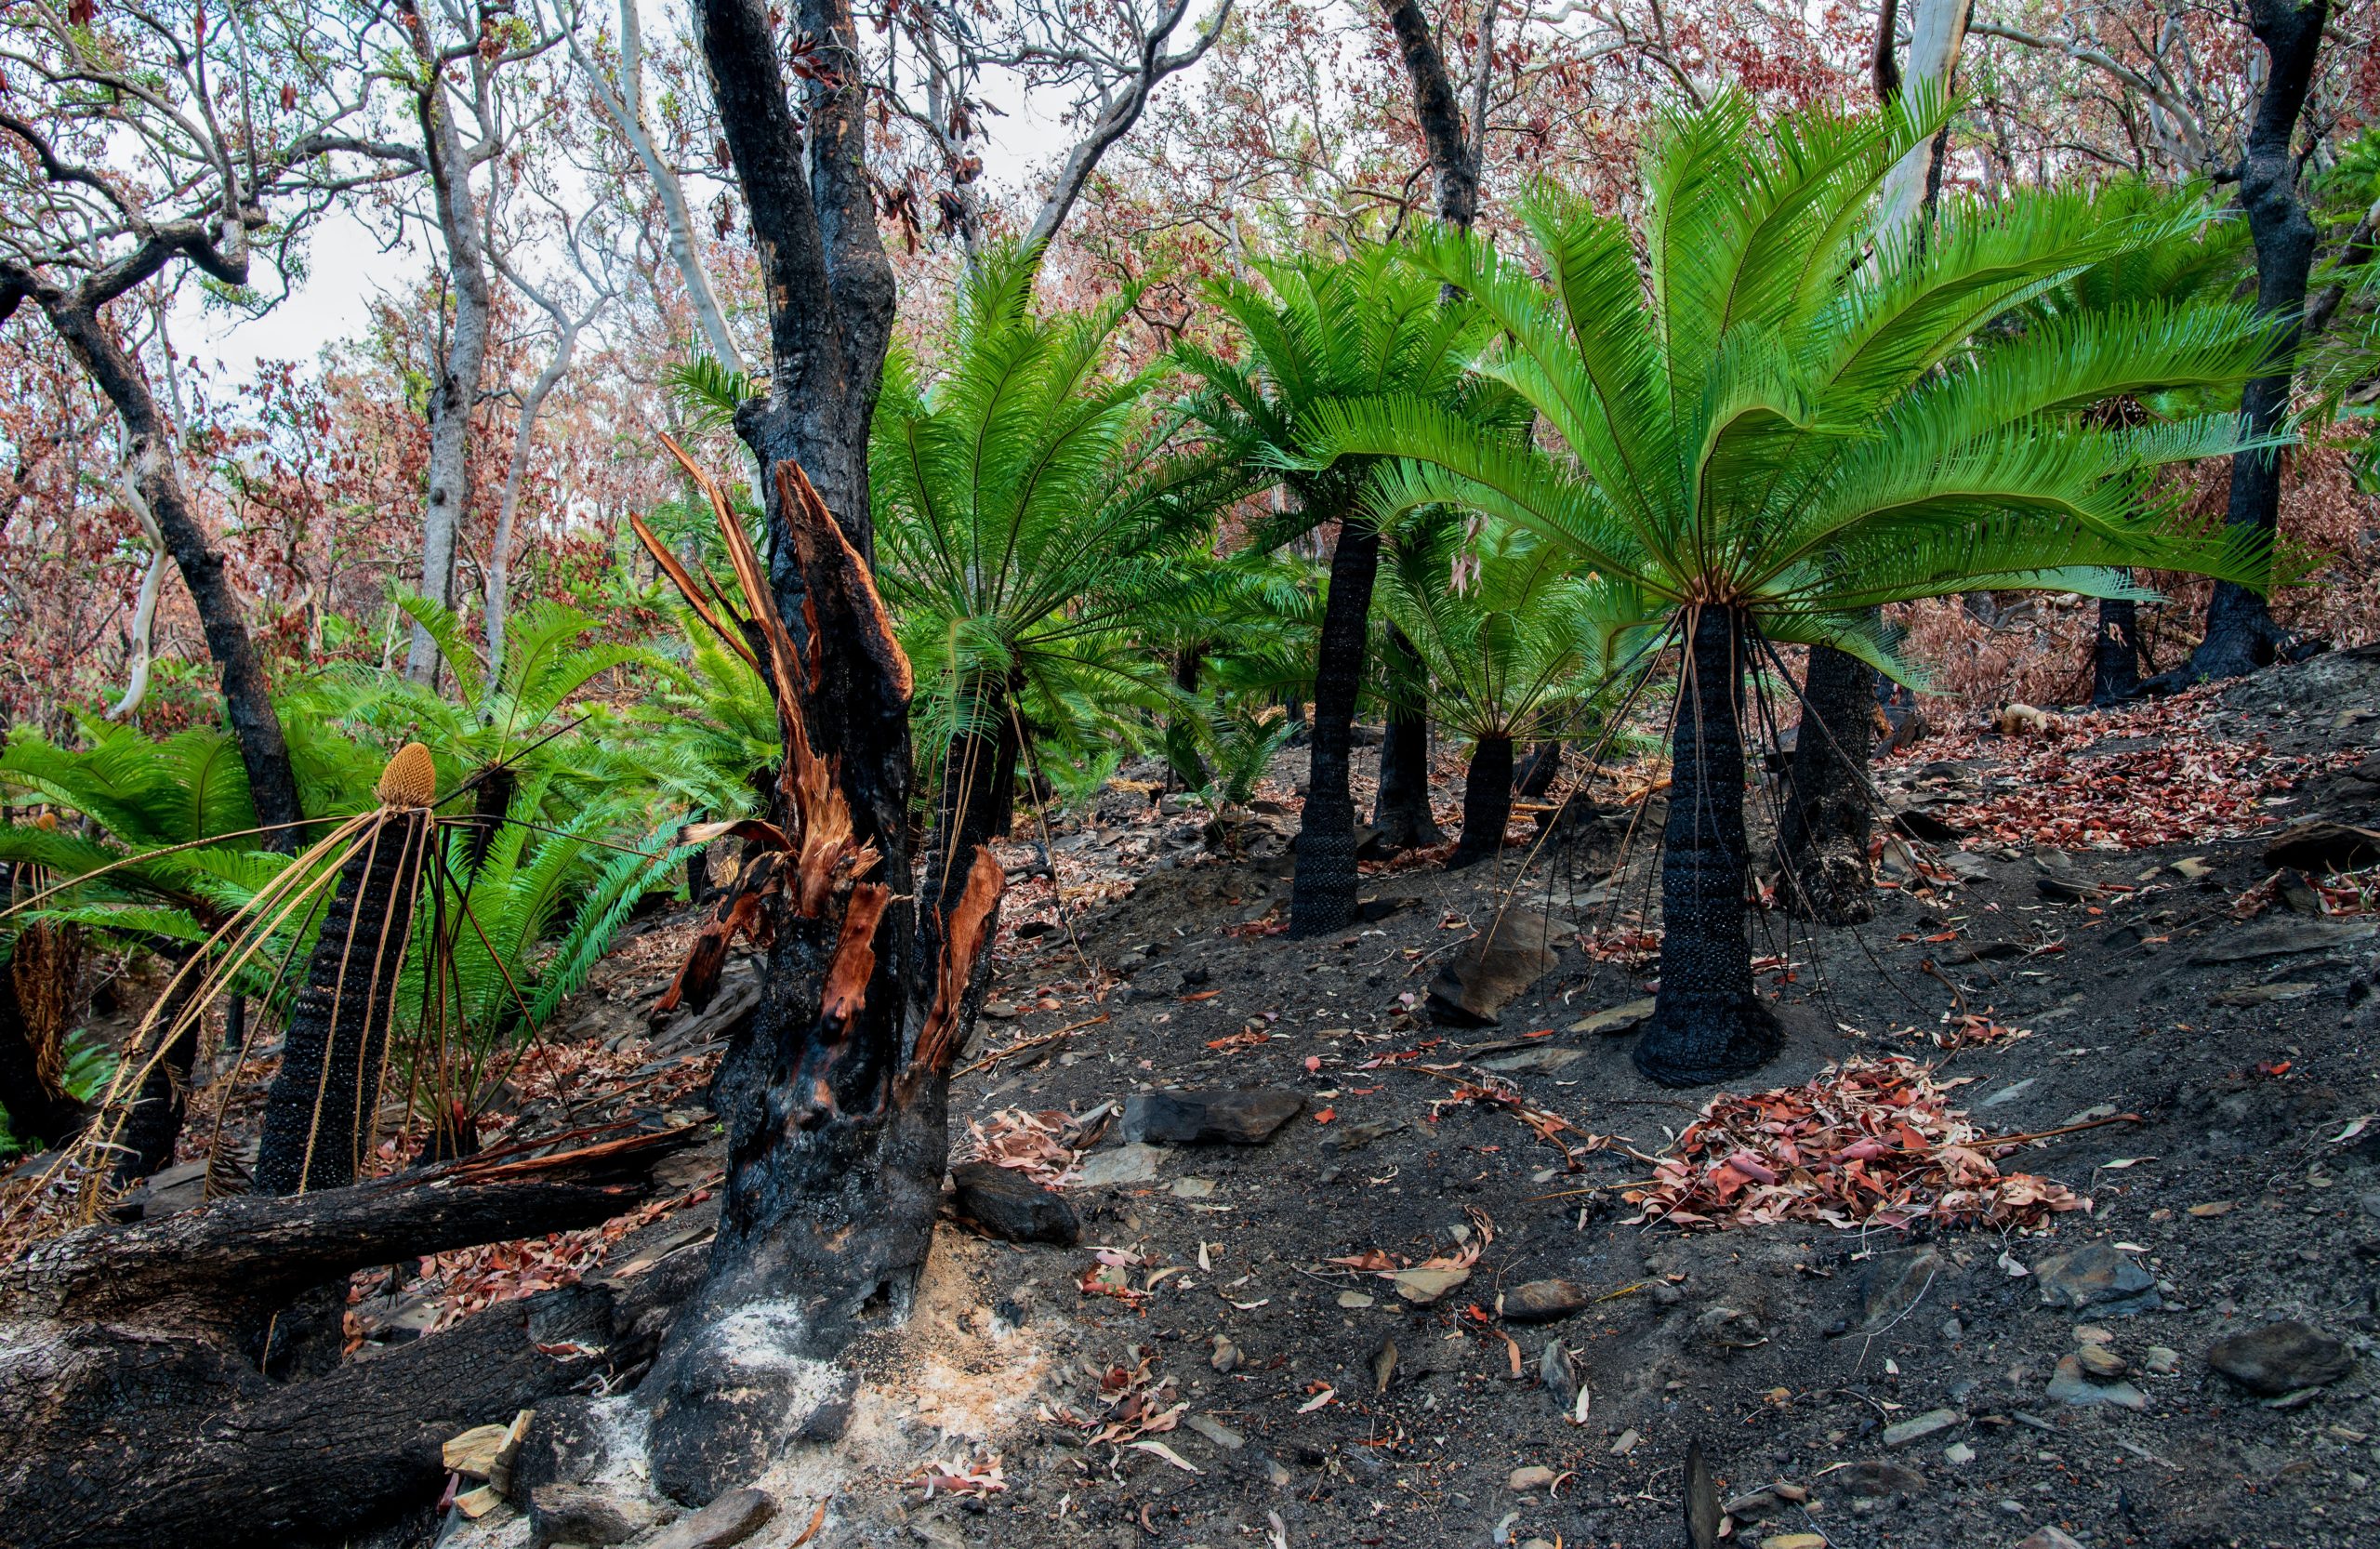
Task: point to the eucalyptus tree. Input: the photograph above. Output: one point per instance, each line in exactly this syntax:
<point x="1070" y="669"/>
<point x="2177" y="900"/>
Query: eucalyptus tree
<point x="1766" y="439"/>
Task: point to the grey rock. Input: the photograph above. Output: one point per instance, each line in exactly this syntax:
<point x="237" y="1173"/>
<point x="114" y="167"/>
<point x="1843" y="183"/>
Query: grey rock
<point x="2098" y="1276"/>
<point x="1875" y="1480"/>
<point x="1245" y="1117"/>
<point x="1932" y="1422"/>
<point x="1543" y="1300"/>
<point x="2280" y="1357"/>
<point x="2264" y="995"/>
<point x="1731" y="1329"/>
<point x="2283" y="938"/>
<point x="2069" y="1386"/>
<point x="1614" y="1021"/>
<point x="1534" y="1060"/>
<point x="730" y="1519"/>
<point x="1216" y="1431"/>
<point x="1355" y="1137"/>
<point x="2010" y="1093"/>
<point x="2049" y="1538"/>
<point x="1894" y="1283"/>
<point x="1006" y="1204"/>
<point x="1120" y="1165"/>
<point x="585" y="1513"/>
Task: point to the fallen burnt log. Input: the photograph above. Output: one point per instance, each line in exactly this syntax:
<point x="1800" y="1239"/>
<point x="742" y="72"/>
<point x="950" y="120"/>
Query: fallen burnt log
<point x="136" y="1421"/>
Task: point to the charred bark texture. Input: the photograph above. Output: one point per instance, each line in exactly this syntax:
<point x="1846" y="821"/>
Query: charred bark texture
<point x="975" y="805"/>
<point x="319" y="1111"/>
<point x="1539" y="769"/>
<point x="2241" y="633"/>
<point x="1708" y="1023"/>
<point x="1439" y="111"/>
<point x="1401" y="815"/>
<point x="136" y="1421"/>
<point x="2115" y="652"/>
<point x="1322" y="890"/>
<point x="1828" y="803"/>
<point x="1486" y="801"/>
<point x="33" y="1032"/>
<point x="154" y="1124"/>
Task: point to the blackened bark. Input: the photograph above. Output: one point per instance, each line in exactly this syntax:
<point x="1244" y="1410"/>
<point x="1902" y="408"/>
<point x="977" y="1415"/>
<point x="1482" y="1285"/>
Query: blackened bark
<point x="248" y="697"/>
<point x="1828" y="803"/>
<point x="2115" y="653"/>
<point x="318" y="1114"/>
<point x="1181" y="759"/>
<point x="1439" y="111"/>
<point x="2241" y="633"/>
<point x="1539" y="769"/>
<point x="151" y="1129"/>
<point x="1322" y="890"/>
<point x="41" y="1112"/>
<point x="1708" y="1023"/>
<point x="975" y="805"/>
<point x="1401" y="815"/>
<point x="1486" y="801"/>
<point x="491" y="803"/>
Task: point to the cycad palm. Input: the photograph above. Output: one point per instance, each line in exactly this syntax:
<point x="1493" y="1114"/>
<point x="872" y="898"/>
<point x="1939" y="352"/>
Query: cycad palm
<point x="1028" y="501"/>
<point x="1321" y="335"/>
<point x="1766" y="431"/>
<point x="1512" y="646"/>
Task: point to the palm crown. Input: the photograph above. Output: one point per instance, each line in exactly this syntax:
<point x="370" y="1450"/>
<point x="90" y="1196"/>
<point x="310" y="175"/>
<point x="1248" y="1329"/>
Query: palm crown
<point x="1766" y="423"/>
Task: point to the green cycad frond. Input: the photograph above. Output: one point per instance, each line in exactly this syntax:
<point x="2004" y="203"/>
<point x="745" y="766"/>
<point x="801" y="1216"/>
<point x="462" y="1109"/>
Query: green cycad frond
<point x="1775" y="412"/>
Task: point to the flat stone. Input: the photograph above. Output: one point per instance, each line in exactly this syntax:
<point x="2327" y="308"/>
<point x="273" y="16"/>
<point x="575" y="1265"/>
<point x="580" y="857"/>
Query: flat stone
<point x="1496" y="970"/>
<point x="1795" y="1541"/>
<point x="1423" y="1287"/>
<point x="2010" y="1093"/>
<point x="1894" y="1283"/>
<point x="2263" y="995"/>
<point x="1535" y="1061"/>
<point x="2069" y="1386"/>
<point x="1535" y="1476"/>
<point x="1754" y="1505"/>
<point x="1193" y="1188"/>
<point x="1355" y="1137"/>
<point x="1875" y="1480"/>
<point x="1932" y="1422"/>
<point x="1247" y="1116"/>
<point x="2319" y="845"/>
<point x="2049" y="1538"/>
<point x="1543" y="1300"/>
<point x="2280" y="1357"/>
<point x="1616" y="1020"/>
<point x="585" y="1513"/>
<point x="2163" y="1360"/>
<point x="1215" y="1431"/>
<point x="1355" y="1301"/>
<point x="1004" y="1203"/>
<point x="730" y="1519"/>
<point x="2283" y="938"/>
<point x="2099" y="1363"/>
<point x="2098" y="1276"/>
<point x="1958" y="1454"/>
<point x="1121" y="1165"/>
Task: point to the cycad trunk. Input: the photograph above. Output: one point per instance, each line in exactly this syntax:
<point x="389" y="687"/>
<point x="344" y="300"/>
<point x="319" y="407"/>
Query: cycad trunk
<point x="1827" y="810"/>
<point x="1402" y="813"/>
<point x="1539" y="769"/>
<point x="1486" y="801"/>
<point x="150" y="1130"/>
<point x="318" y="1114"/>
<point x="1181" y="733"/>
<point x="1322" y="894"/>
<point x="1708" y="1023"/>
<point x="976" y="805"/>
<point x="2115" y="655"/>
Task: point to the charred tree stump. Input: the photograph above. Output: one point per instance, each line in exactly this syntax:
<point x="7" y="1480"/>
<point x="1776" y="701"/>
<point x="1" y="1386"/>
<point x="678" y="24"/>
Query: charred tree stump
<point x="1539" y="769"/>
<point x="137" y="1421"/>
<point x="1401" y="816"/>
<point x="1487" y="802"/>
<point x="1828" y="803"/>
<point x="1322" y="889"/>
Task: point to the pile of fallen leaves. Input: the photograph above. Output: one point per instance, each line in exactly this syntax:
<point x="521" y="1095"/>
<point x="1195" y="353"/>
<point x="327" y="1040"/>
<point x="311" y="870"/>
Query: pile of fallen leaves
<point x="1045" y="1146"/>
<point x="1868" y="1142"/>
<point x="2185" y="783"/>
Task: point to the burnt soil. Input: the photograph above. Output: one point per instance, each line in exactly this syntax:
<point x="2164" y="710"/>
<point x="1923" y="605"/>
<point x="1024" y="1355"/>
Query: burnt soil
<point x="2173" y="982"/>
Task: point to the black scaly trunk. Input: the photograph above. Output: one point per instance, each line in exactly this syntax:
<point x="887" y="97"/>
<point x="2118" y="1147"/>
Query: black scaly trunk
<point x="1181" y="759"/>
<point x="318" y="1114"/>
<point x="1827" y="817"/>
<point x="2241" y="633"/>
<point x="1708" y="1023"/>
<point x="1486" y="801"/>
<point x="1322" y="893"/>
<point x="491" y="803"/>
<point x="2115" y="654"/>
<point x="1401" y="816"/>
<point x="1539" y="769"/>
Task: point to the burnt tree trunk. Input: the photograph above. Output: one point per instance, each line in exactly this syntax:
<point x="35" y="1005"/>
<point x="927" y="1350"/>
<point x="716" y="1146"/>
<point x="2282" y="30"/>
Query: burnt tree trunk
<point x="1708" y="1022"/>
<point x="1181" y="759"/>
<point x="1401" y="815"/>
<point x="1452" y="164"/>
<point x="146" y="1142"/>
<point x="2115" y="652"/>
<point x="247" y="695"/>
<point x="1828" y="803"/>
<point x="1486" y="801"/>
<point x="136" y="1421"/>
<point x="975" y="805"/>
<point x="2241" y="633"/>
<point x="1322" y="890"/>
<point x="39" y="990"/>
<point x="318" y="1113"/>
<point x="1539" y="769"/>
